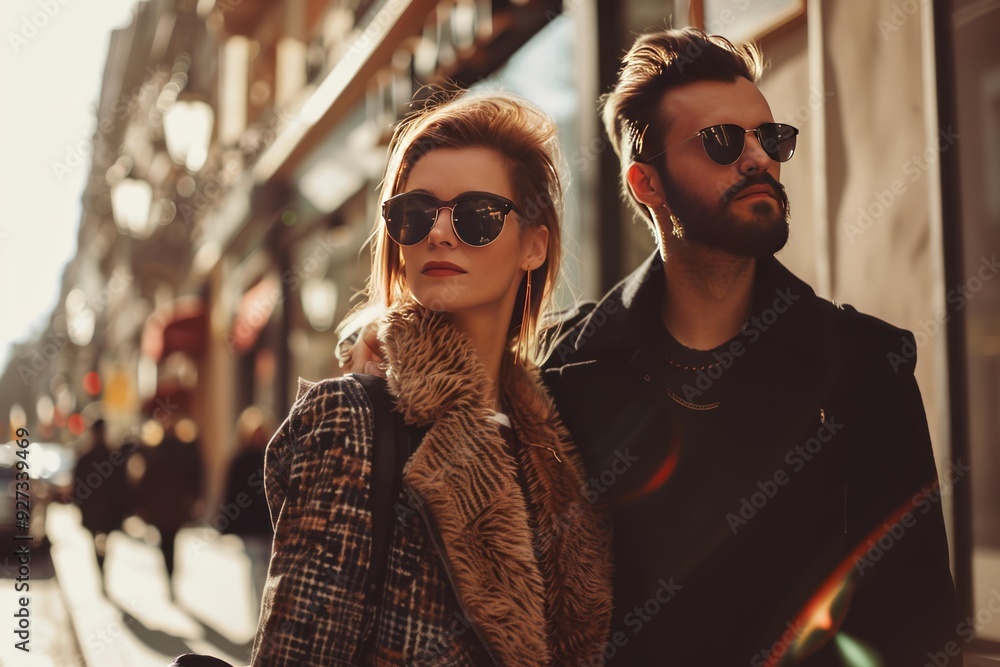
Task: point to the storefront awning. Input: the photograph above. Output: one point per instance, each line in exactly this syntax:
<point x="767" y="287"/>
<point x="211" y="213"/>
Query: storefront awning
<point x="253" y="314"/>
<point x="181" y="326"/>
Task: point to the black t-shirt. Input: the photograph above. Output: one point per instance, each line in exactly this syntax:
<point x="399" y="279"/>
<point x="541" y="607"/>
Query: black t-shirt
<point x="683" y="498"/>
<point x="683" y="555"/>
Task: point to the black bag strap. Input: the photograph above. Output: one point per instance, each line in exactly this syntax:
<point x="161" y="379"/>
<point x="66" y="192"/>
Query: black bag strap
<point x="391" y="449"/>
<point x="198" y="660"/>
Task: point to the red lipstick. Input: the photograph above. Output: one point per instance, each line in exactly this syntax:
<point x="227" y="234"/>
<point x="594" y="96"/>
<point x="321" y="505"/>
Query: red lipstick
<point x="441" y="269"/>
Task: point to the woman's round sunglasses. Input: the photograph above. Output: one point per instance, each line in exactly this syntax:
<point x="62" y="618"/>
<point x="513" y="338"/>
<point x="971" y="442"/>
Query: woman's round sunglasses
<point x="724" y="143"/>
<point x="476" y="217"/>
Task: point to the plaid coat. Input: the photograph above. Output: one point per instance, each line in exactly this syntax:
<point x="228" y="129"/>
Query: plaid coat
<point x="474" y="577"/>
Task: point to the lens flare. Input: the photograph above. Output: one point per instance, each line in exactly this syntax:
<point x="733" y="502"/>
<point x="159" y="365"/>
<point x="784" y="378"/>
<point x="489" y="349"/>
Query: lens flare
<point x="658" y="479"/>
<point x="822" y="617"/>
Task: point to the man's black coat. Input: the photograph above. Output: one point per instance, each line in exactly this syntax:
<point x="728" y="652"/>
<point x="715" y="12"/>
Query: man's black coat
<point x="830" y="487"/>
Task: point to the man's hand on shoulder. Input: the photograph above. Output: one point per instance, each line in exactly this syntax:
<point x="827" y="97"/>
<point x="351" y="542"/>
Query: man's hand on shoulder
<point x="362" y="353"/>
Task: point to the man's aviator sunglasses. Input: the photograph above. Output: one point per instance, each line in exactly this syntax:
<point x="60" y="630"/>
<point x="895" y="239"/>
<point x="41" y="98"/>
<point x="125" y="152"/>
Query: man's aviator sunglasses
<point x="476" y="217"/>
<point x="724" y="143"/>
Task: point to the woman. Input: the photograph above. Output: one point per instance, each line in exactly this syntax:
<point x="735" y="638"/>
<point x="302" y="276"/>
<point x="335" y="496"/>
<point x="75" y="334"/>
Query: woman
<point x="496" y="557"/>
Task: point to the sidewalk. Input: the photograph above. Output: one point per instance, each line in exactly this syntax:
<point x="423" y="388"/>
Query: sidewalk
<point x="134" y="623"/>
<point x="51" y="640"/>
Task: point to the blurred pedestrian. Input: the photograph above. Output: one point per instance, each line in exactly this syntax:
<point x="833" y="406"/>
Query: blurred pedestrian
<point x="171" y="486"/>
<point x="245" y="512"/>
<point x="101" y="489"/>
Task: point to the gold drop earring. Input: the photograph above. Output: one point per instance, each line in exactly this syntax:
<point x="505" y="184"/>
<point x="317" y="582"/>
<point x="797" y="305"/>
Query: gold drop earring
<point x="678" y="228"/>
<point x="522" y="335"/>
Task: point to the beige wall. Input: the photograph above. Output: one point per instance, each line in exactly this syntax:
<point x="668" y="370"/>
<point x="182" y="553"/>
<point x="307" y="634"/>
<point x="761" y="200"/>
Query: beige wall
<point x="859" y="81"/>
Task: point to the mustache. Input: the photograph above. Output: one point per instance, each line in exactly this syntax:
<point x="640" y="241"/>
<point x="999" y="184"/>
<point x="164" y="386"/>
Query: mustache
<point x="762" y="178"/>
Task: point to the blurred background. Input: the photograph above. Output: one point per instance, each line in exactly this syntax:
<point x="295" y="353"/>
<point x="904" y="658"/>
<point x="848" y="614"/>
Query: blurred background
<point x="186" y="187"/>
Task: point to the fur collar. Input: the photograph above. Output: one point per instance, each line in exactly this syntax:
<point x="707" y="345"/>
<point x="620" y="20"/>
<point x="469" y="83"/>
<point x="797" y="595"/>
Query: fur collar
<point x="432" y="367"/>
<point x="536" y="584"/>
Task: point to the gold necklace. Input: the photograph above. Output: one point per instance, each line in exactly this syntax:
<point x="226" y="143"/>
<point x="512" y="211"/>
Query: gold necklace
<point x="690" y="368"/>
<point x="688" y="404"/>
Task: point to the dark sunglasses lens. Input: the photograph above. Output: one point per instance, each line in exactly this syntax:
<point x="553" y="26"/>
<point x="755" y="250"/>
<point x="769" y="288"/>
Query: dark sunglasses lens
<point x="409" y="219"/>
<point x="778" y="141"/>
<point x="478" y="222"/>
<point x="723" y="143"/>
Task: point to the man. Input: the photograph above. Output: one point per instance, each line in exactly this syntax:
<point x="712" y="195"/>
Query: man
<point x="766" y="458"/>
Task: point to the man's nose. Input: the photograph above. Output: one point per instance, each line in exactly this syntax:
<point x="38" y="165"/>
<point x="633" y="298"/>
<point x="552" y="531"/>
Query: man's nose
<point x="754" y="159"/>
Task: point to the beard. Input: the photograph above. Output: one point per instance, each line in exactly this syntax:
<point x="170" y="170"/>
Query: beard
<point x="759" y="234"/>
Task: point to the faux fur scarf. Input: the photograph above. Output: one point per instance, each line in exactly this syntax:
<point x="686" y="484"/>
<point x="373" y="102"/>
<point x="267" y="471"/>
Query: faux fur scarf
<point x="537" y="585"/>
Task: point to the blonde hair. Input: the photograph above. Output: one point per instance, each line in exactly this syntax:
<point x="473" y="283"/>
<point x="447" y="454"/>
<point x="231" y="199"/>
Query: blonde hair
<point x="526" y="139"/>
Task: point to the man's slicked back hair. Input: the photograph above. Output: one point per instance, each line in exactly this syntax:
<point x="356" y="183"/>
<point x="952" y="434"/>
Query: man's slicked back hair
<point x="657" y="63"/>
